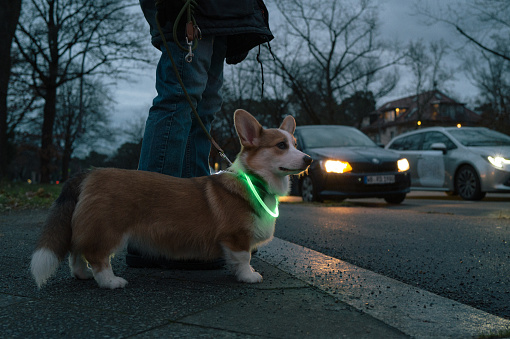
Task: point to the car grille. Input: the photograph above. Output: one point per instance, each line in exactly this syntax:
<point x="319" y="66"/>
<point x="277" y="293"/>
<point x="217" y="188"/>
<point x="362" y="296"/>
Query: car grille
<point x="367" y="167"/>
<point x="352" y="184"/>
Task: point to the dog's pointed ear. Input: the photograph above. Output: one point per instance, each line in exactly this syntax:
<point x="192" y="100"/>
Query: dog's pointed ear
<point x="247" y="127"/>
<point x="289" y="124"/>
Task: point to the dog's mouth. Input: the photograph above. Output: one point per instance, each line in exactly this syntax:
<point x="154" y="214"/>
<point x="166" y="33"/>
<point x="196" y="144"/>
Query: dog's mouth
<point x="287" y="170"/>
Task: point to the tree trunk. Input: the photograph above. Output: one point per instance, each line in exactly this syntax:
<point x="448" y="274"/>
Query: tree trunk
<point x="9" y="16"/>
<point x="66" y="160"/>
<point x="68" y="150"/>
<point x="46" y="153"/>
<point x="50" y="99"/>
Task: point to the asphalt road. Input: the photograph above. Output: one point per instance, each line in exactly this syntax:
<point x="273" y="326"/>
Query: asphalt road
<point x="454" y="248"/>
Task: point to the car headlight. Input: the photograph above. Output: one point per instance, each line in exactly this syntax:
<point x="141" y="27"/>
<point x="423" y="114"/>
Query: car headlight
<point x="498" y="161"/>
<point x="403" y="165"/>
<point x="337" y="166"/>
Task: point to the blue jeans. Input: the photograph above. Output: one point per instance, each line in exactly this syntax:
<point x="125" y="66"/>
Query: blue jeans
<point x="173" y="142"/>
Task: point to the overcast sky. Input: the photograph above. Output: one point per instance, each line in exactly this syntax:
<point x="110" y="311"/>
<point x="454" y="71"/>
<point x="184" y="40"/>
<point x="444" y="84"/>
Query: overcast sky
<point x="134" y="97"/>
<point x="398" y="22"/>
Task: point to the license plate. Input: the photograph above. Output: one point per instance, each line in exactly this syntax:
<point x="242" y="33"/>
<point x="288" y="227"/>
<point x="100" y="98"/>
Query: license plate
<point x="379" y="179"/>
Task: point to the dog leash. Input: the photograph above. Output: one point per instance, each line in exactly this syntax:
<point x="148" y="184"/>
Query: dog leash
<point x="189" y="57"/>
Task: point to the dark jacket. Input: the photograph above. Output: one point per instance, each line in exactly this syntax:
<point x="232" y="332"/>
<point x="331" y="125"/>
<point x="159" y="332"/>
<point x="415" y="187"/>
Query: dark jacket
<point x="245" y="22"/>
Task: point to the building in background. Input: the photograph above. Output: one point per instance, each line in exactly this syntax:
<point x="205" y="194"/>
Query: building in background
<point x="432" y="108"/>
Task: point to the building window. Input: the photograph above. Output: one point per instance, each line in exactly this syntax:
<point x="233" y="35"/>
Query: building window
<point x="435" y="111"/>
<point x="454" y="112"/>
<point x="393" y="114"/>
<point x="399" y="112"/>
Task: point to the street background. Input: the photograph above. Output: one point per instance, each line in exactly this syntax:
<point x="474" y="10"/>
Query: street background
<point x="457" y="249"/>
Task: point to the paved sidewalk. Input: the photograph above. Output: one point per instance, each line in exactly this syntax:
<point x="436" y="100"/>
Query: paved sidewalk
<point x="292" y="302"/>
<point x="158" y="303"/>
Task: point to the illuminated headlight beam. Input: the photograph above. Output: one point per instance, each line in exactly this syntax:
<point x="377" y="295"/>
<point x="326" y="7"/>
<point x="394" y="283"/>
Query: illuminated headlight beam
<point x="337" y="166"/>
<point x="498" y="162"/>
<point x="403" y="165"/>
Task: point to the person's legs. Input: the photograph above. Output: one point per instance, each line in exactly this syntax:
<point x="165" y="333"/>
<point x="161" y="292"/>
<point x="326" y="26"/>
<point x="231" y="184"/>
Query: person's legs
<point x="166" y="125"/>
<point x="170" y="120"/>
<point x="198" y="147"/>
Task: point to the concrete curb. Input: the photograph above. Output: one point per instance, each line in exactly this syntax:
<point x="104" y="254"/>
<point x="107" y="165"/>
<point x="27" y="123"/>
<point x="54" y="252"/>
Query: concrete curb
<point x="414" y="311"/>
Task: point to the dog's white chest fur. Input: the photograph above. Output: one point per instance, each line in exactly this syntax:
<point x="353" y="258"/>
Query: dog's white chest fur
<point x="263" y="230"/>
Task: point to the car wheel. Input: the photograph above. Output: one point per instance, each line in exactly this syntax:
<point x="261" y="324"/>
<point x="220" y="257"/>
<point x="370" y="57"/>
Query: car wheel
<point x="395" y="199"/>
<point x="309" y="190"/>
<point x="467" y="184"/>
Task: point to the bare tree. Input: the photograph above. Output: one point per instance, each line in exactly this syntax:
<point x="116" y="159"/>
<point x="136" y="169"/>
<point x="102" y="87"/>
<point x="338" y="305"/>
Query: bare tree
<point x="8" y="20"/>
<point x="483" y="23"/>
<point x="484" y="26"/>
<point x="22" y="101"/>
<point x="356" y="107"/>
<point x="491" y="74"/>
<point x="427" y="65"/>
<point x="67" y="40"/>
<point x="330" y="48"/>
<point x="77" y="121"/>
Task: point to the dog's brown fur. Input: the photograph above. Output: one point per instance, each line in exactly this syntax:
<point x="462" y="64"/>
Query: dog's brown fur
<point x="145" y="198"/>
<point x="197" y="218"/>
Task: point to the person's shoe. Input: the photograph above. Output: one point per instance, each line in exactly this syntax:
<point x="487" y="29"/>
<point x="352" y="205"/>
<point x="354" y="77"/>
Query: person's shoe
<point x="135" y="259"/>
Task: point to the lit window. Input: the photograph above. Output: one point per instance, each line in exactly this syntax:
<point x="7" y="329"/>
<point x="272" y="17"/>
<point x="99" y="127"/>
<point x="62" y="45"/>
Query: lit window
<point x="389" y="116"/>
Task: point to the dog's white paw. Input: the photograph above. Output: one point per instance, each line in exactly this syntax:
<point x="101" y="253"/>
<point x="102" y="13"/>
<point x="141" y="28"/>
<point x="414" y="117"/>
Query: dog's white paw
<point x="106" y="279"/>
<point x="250" y="277"/>
<point x="116" y="282"/>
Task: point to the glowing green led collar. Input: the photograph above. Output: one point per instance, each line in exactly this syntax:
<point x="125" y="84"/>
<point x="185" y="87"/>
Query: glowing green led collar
<point x="276" y="212"/>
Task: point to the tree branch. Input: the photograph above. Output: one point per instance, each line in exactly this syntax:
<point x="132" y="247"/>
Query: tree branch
<point x="480" y="45"/>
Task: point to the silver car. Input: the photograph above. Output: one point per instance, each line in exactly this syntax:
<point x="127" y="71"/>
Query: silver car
<point x="468" y="161"/>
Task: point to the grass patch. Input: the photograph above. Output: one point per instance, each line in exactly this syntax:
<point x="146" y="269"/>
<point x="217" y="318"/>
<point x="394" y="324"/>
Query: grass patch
<point x="18" y="196"/>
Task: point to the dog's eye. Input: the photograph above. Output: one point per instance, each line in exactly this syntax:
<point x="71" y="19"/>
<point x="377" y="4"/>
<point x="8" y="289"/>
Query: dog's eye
<point x="281" y="145"/>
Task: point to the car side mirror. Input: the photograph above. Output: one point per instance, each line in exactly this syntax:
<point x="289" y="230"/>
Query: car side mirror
<point x="438" y="146"/>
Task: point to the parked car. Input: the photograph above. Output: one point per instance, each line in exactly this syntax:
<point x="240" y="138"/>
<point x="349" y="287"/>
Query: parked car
<point x="348" y="164"/>
<point x="468" y="161"/>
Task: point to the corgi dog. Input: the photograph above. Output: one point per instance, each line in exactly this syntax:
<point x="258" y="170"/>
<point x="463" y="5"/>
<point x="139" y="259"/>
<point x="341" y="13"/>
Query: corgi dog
<point x="225" y="214"/>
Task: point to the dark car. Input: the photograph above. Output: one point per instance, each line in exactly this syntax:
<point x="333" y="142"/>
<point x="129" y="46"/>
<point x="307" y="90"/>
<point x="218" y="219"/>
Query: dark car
<point x="348" y="164"/>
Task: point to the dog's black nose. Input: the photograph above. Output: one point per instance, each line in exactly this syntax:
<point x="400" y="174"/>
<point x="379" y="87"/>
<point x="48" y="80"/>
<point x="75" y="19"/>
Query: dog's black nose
<point x="307" y="159"/>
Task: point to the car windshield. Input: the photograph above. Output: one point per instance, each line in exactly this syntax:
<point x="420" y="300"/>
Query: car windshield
<point x="337" y="136"/>
<point x="480" y="137"/>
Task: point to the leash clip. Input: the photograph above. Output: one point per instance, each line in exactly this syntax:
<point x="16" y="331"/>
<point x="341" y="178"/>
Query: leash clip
<point x="192" y="33"/>
<point x="224" y="156"/>
<point x="190" y="55"/>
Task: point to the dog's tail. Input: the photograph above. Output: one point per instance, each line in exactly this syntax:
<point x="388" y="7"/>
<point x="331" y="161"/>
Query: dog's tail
<point x="55" y="240"/>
